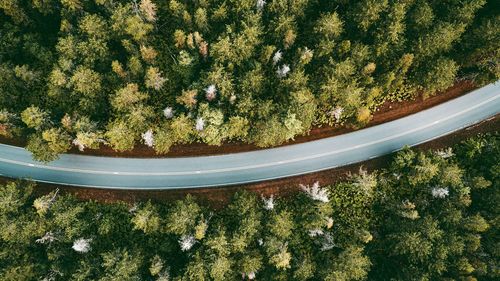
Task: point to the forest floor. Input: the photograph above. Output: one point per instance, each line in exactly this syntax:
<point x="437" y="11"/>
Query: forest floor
<point x="219" y="196"/>
<point x="387" y="112"/>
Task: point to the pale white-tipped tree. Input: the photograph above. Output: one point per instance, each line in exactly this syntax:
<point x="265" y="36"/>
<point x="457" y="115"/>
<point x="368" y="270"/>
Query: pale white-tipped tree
<point x="43" y="204"/>
<point x="440" y="192"/>
<point x="134" y="208"/>
<point x="211" y="92"/>
<point x="187" y="242"/>
<point x="76" y="142"/>
<point x="148" y="138"/>
<point x="200" y="124"/>
<point x="168" y="112"/>
<point x="49" y="237"/>
<point x="327" y="242"/>
<point x="397" y="176"/>
<point x="277" y="57"/>
<point x="365" y="181"/>
<point x="268" y="202"/>
<point x="260" y="5"/>
<point x="82" y="245"/>
<point x="315" y="192"/>
<point x="336" y="113"/>
<point x="232" y="98"/>
<point x="282" y="71"/>
<point x="248" y="275"/>
<point x="315" y="232"/>
<point x="445" y="153"/>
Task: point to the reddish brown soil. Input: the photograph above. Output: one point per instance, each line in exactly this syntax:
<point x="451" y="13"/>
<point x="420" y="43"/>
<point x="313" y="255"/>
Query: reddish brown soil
<point x="387" y="112"/>
<point x="218" y="197"/>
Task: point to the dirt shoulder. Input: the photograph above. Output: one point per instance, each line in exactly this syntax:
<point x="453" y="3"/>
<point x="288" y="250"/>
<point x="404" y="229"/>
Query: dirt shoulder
<point x="387" y="112"/>
<point x="217" y="197"/>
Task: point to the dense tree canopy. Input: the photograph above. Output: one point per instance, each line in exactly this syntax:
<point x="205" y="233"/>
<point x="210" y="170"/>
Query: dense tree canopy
<point x="429" y="216"/>
<point x="86" y="73"/>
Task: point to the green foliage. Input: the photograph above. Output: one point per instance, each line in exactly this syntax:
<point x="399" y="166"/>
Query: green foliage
<point x="147" y="219"/>
<point x="34" y="117"/>
<point x="120" y="265"/>
<point x="439" y="39"/>
<point x="120" y="136"/>
<point x="427" y="225"/>
<point x="440" y="76"/>
<point x="40" y="149"/>
<point x="183" y="217"/>
<point x="121" y="64"/>
<point x="86" y="82"/>
<point x="351" y="265"/>
<point x="14" y="197"/>
<point x="482" y="43"/>
<point x="57" y="140"/>
<point x="416" y="220"/>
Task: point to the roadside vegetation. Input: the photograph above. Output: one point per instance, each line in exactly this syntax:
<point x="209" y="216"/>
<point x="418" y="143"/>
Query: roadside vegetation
<point x="87" y="73"/>
<point x="429" y="216"/>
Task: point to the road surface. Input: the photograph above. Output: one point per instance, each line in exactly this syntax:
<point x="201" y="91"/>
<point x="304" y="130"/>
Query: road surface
<point x="254" y="166"/>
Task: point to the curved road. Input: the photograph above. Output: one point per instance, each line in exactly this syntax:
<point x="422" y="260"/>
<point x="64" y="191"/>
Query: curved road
<point x="239" y="168"/>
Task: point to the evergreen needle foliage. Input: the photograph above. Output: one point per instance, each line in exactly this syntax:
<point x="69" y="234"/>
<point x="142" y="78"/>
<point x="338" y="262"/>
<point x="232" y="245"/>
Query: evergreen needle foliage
<point x="86" y="73"/>
<point x="397" y="223"/>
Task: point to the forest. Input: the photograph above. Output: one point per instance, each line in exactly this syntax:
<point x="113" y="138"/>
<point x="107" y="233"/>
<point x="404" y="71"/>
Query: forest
<point x="86" y="73"/>
<point x="430" y="215"/>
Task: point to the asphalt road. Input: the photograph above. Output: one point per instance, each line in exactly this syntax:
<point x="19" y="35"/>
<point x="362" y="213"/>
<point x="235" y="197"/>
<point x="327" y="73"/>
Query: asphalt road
<point x="239" y="168"/>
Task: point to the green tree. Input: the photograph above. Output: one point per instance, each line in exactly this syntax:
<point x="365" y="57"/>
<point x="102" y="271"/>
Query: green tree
<point x="440" y="76"/>
<point x="86" y="82"/>
<point x="121" y="265"/>
<point x="34" y="117"/>
<point x="329" y="27"/>
<point x="422" y="16"/>
<point x="281" y="225"/>
<point x="154" y="79"/>
<point x="147" y="219"/>
<point x="439" y="39"/>
<point x="368" y="12"/>
<point x="40" y="149"/>
<point x="350" y="265"/>
<point x="182" y="129"/>
<point x="183" y="217"/>
<point x="120" y="136"/>
<point x="57" y="140"/>
<point x="127" y="97"/>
